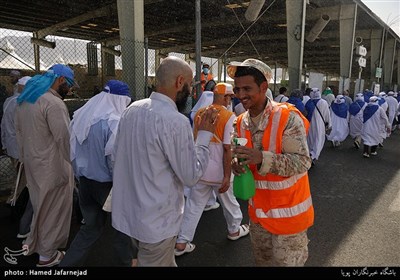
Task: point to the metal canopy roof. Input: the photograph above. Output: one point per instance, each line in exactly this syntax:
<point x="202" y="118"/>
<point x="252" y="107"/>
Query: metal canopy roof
<point x="170" y="27"/>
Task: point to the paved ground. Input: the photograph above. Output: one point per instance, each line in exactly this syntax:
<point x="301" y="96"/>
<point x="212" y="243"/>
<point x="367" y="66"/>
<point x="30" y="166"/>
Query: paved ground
<point x="357" y="222"/>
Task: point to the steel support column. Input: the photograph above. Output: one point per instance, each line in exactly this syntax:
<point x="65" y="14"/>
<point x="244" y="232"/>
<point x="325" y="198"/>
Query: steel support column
<point x="131" y="31"/>
<point x="376" y="39"/>
<point x="295" y="40"/>
<point x="347" y="21"/>
<point x="388" y="62"/>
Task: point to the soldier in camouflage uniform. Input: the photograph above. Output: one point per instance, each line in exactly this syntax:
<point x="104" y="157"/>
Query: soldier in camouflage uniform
<point x="281" y="210"/>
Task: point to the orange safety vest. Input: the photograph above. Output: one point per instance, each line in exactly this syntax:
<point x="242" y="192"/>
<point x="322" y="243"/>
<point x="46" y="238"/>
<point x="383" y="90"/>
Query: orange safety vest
<point x="224" y="116"/>
<point x="204" y="79"/>
<point x="282" y="205"/>
<point x="214" y="173"/>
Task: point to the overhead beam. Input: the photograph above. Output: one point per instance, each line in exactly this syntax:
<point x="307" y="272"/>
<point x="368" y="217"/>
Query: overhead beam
<point x="333" y="13"/>
<point x="104" y="11"/>
<point x="43" y="43"/>
<point x="111" y="51"/>
<point x="281" y="36"/>
<point x="225" y="41"/>
<point x="114" y="41"/>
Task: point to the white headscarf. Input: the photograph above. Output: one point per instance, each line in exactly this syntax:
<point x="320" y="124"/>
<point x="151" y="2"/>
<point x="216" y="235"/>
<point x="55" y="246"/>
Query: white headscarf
<point x="360" y="96"/>
<point x="103" y="106"/>
<point x="22" y="81"/>
<point x="206" y="99"/>
<point x="340" y="99"/>
<point x="315" y="93"/>
<point x="373" y="100"/>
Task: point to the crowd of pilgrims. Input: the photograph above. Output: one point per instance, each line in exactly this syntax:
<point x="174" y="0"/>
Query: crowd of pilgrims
<point x="368" y="118"/>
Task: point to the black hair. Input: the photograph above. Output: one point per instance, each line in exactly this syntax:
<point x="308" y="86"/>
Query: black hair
<point x="259" y="78"/>
<point x="282" y="90"/>
<point x="297" y="93"/>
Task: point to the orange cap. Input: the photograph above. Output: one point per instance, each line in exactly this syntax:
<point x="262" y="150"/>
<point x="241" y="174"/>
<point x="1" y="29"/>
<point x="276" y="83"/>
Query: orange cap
<point x="223" y="89"/>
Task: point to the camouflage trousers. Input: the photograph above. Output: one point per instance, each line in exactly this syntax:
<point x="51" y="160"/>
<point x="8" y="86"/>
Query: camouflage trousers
<point x="278" y="250"/>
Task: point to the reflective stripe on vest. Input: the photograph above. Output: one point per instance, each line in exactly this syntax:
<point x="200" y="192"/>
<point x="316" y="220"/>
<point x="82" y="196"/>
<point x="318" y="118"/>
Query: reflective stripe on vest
<point x="282" y="205"/>
<point x="279" y="185"/>
<point x="274" y="130"/>
<point x="285" y="212"/>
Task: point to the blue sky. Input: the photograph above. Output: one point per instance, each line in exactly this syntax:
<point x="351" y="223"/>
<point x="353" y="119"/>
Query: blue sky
<point x="387" y="10"/>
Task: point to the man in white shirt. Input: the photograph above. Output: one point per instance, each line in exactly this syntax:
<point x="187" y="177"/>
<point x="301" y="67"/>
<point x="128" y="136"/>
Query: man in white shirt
<point x="8" y="134"/>
<point x="281" y="97"/>
<point x="155" y="157"/>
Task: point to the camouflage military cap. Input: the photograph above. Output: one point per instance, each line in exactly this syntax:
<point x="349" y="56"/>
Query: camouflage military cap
<point x="251" y="62"/>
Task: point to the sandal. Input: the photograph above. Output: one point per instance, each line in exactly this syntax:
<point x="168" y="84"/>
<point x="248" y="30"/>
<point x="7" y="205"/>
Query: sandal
<point x="243" y="231"/>
<point x="53" y="261"/>
<point x="188" y="248"/>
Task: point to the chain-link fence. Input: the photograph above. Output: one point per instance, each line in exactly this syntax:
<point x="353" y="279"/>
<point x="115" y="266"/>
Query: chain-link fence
<point x="93" y="64"/>
<point x="7" y="173"/>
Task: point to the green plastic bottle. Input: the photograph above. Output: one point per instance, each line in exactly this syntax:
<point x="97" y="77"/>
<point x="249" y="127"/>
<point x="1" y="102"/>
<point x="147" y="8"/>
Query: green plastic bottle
<point x="244" y="186"/>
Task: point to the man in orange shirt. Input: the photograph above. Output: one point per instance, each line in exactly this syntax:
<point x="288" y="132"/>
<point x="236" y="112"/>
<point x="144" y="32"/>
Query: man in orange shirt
<point x="205" y="75"/>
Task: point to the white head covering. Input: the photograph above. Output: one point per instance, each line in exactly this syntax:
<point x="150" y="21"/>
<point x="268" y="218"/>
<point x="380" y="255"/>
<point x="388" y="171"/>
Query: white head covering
<point x="373" y="99"/>
<point x="206" y="99"/>
<point x="102" y="106"/>
<point x="382" y="94"/>
<point x="340" y="99"/>
<point x="360" y="96"/>
<point x="391" y="93"/>
<point x="315" y="93"/>
<point x="24" y="80"/>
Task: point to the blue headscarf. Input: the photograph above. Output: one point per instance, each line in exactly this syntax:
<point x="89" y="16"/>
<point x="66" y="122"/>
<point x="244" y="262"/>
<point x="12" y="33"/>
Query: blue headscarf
<point x="40" y="84"/>
<point x="367" y="95"/>
<point x="371" y="108"/>
<point x="381" y="100"/>
<point x="117" y="87"/>
<point x="310" y="107"/>
<point x="36" y="87"/>
<point x="355" y="107"/>
<point x="339" y="107"/>
<point x="296" y="101"/>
